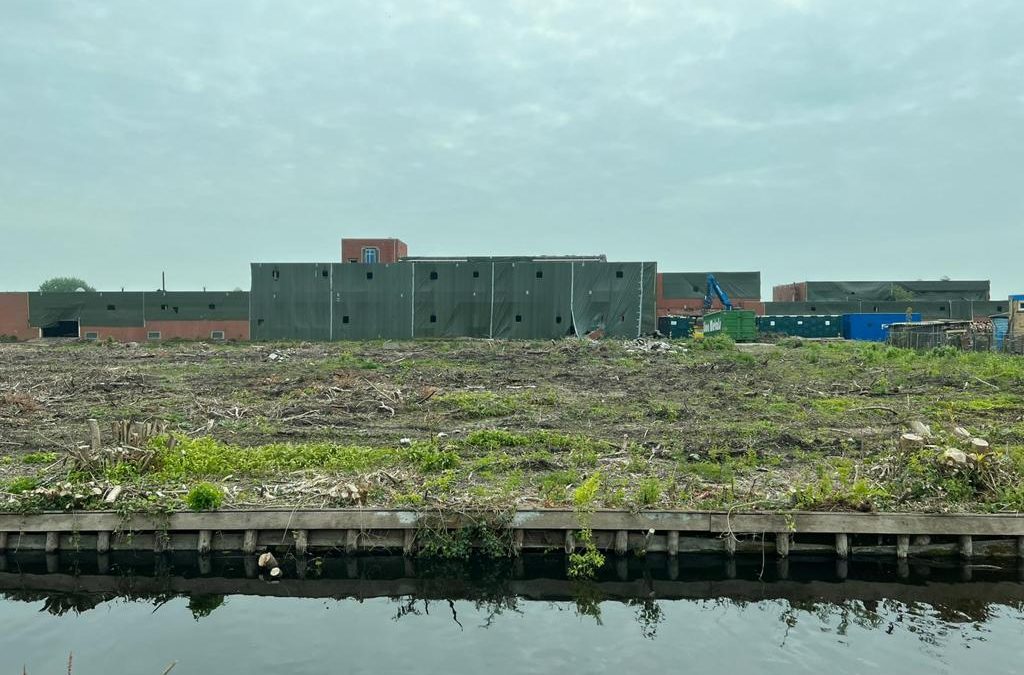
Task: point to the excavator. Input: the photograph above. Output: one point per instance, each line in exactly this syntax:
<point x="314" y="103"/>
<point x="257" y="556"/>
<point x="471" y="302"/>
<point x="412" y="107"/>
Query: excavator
<point x="714" y="289"/>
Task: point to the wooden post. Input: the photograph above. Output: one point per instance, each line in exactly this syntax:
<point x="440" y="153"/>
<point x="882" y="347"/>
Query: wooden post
<point x="52" y="563"/>
<point x="621" y="542"/>
<point x="842" y="568"/>
<point x="966" y="547"/>
<point x="205" y="541"/>
<point x="161" y="540"/>
<point x="842" y="546"/>
<point x="517" y="542"/>
<point x="902" y="546"/>
<point x="408" y="541"/>
<point x="102" y="542"/>
<point x="103" y="563"/>
<point x="52" y="542"/>
<point x="251" y="567"/>
<point x="673" y="567"/>
<point x="94" y="435"/>
<point x="249" y="542"/>
<point x="351" y="541"/>
<point x="673" y="543"/>
<point x="3" y="541"/>
<point x="782" y="544"/>
<point x="1020" y="547"/>
<point x="730" y="544"/>
<point x="301" y="542"/>
<point x="570" y="541"/>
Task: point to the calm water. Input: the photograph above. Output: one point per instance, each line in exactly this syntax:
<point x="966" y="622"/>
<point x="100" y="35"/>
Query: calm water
<point x="389" y="615"/>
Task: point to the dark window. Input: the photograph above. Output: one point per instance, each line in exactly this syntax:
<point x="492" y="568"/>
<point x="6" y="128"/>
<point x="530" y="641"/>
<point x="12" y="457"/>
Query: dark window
<point x="111" y="308"/>
<point x="696" y="290"/>
<point x="519" y="318"/>
<point x="163" y="308"/>
<point x="433" y="275"/>
<point x="344" y="319"/>
<point x="433" y="318"/>
<point x="276" y="274"/>
<point x="174" y="309"/>
<point x="540" y="274"/>
<point x="259" y="322"/>
<point x="622" y="318"/>
<point x="558" y="319"/>
<point x="369" y="275"/>
<point x="371" y="255"/>
<point x="618" y="274"/>
<point x="325" y="273"/>
<point x="212" y="306"/>
<point x="476" y="274"/>
<point x="813" y="308"/>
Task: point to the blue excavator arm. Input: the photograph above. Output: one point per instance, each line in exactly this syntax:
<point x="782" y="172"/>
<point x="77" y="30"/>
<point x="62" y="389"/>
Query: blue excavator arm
<point x="714" y="289"/>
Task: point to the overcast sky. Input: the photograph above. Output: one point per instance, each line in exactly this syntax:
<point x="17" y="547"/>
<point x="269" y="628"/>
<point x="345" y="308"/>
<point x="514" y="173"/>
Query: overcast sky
<point x="807" y="139"/>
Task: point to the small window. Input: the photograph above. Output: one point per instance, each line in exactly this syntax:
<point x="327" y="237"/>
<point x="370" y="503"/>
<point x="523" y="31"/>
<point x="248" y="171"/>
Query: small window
<point x="771" y="323"/>
<point x="476" y="274"/>
<point x="622" y="318"/>
<point x="433" y="318"/>
<point x="344" y="319"/>
<point x="827" y="322"/>
<point x="696" y="290"/>
<point x="369" y="275"/>
<point x="799" y="322"/>
<point x="163" y="308"/>
<point x="174" y="309"/>
<point x="558" y="319"/>
<point x="325" y="273"/>
<point x="352" y="260"/>
<point x="519" y="318"/>
<point x="212" y="306"/>
<point x="276" y="274"/>
<point x="813" y="308"/>
<point x="672" y="323"/>
<point x="540" y="274"/>
<point x="371" y="254"/>
<point x="618" y="274"/>
<point x="259" y="322"/>
<point x="1020" y="307"/>
<point x="111" y="308"/>
<point x="433" y="275"/>
<point x="216" y="335"/>
<point x="153" y="335"/>
<point x="92" y="335"/>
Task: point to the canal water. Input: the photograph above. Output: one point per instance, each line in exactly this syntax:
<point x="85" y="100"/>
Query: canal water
<point x="377" y="614"/>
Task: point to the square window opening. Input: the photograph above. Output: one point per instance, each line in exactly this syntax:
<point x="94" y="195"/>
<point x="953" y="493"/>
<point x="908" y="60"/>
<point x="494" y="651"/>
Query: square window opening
<point x="476" y="274"/>
<point x="433" y="318"/>
<point x="111" y="308"/>
<point x="163" y="308"/>
<point x="275" y="274"/>
<point x="519" y="318"/>
<point x="369" y="275"/>
<point x="540" y="274"/>
<point x="153" y="335"/>
<point x="371" y="254"/>
<point x="618" y="274"/>
<point x="433" y="276"/>
<point x="344" y="319"/>
<point x="558" y="319"/>
<point x="175" y="309"/>
<point x="325" y="273"/>
<point x="259" y="322"/>
<point x="212" y="306"/>
<point x="216" y="335"/>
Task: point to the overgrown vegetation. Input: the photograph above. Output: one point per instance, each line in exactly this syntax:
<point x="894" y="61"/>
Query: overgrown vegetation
<point x="442" y="425"/>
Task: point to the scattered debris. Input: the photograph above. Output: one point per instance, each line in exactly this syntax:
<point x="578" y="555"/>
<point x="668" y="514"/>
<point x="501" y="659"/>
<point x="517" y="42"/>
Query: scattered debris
<point x="921" y="429"/>
<point x="267" y="560"/>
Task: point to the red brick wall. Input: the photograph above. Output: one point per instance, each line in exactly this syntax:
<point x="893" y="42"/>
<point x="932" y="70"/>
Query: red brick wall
<point x="118" y="333"/>
<point x="390" y="249"/>
<point x="790" y="293"/>
<point x="199" y="330"/>
<point x="14" y="316"/>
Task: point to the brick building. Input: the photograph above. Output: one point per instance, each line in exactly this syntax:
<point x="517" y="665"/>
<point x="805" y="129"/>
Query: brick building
<point x="373" y="250"/>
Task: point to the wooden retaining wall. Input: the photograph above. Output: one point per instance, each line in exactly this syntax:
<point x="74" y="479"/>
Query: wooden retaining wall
<point x="841" y="534"/>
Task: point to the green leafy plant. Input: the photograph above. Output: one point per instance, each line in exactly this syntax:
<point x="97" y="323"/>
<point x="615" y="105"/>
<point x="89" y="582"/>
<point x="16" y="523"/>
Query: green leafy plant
<point x="205" y="497"/>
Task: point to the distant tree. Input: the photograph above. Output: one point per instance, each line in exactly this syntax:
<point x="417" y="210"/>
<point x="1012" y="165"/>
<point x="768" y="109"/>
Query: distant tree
<point x="64" y="285"/>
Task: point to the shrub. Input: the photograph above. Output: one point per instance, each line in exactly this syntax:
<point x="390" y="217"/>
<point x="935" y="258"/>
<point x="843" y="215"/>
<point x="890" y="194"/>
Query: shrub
<point x="205" y="497"/>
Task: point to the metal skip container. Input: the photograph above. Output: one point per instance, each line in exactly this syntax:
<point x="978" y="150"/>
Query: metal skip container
<point x="739" y="324"/>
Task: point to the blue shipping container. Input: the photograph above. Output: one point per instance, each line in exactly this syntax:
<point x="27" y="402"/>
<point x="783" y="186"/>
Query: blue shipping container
<point x="871" y="327"/>
<point x="1000" y="327"/>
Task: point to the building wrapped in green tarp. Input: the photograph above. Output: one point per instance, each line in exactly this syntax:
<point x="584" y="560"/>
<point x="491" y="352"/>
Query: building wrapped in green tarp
<point x="196" y="305"/>
<point x="115" y="309"/>
<point x="693" y="285"/>
<point x="840" y="291"/>
<point x="928" y="309"/>
<point x="499" y="298"/>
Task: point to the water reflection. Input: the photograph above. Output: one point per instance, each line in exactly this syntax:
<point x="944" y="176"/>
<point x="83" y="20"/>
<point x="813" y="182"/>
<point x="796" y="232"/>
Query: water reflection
<point x="927" y="600"/>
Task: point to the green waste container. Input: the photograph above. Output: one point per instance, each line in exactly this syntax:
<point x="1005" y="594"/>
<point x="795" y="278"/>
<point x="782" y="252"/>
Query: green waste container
<point x="739" y="324"/>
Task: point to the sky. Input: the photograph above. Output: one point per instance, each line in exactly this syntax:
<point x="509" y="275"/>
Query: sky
<point x="806" y="139"/>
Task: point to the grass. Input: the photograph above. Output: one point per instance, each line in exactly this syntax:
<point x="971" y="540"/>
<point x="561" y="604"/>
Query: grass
<point x="706" y="426"/>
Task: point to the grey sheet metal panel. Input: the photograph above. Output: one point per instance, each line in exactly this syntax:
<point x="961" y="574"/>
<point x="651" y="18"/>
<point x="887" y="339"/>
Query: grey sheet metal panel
<point x="532" y="299"/>
<point x="693" y="285"/>
<point x="197" y="305"/>
<point x="835" y="291"/>
<point x="928" y="309"/>
<point x="453" y="299"/>
<point x="113" y="309"/>
<point x="372" y="301"/>
<point x="291" y="301"/>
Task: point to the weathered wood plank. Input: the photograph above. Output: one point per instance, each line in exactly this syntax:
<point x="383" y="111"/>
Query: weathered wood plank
<point x="902" y="546"/>
<point x="842" y="546"/>
<point x="249" y="542"/>
<point x="102" y="542"/>
<point x="872" y="523"/>
<point x="673" y="543"/>
<point x="301" y="542"/>
<point x="782" y="544"/>
<point x="966" y="546"/>
<point x="52" y="542"/>
<point x="205" y="541"/>
<point x="621" y="542"/>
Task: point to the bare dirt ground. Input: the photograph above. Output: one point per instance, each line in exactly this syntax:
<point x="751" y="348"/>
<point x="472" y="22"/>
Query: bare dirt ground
<point x="457" y="423"/>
